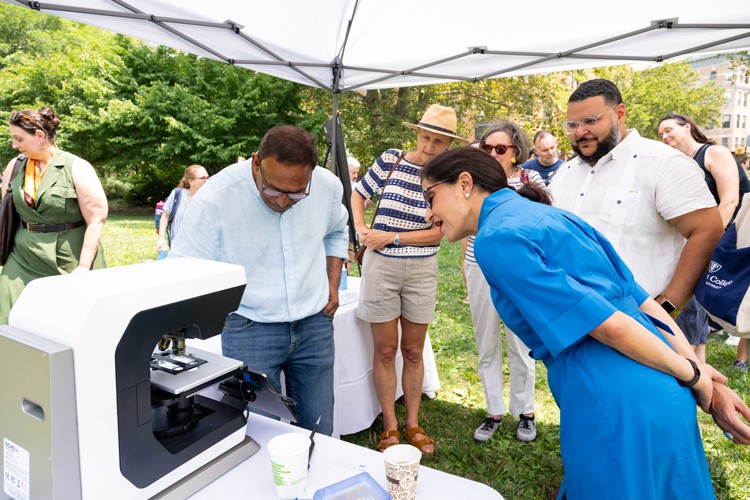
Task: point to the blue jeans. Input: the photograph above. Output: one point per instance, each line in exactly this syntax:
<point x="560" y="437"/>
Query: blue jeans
<point x="693" y="321"/>
<point x="303" y="349"/>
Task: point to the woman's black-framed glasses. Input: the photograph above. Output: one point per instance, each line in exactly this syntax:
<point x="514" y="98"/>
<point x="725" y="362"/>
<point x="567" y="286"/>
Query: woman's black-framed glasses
<point x="500" y="149"/>
<point x="272" y="193"/>
<point x="426" y="194"/>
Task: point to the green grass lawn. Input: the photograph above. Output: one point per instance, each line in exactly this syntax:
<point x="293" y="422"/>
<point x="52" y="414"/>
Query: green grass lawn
<point x="515" y="469"/>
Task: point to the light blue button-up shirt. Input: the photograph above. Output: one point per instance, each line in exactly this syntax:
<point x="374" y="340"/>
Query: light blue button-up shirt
<point x="284" y="254"/>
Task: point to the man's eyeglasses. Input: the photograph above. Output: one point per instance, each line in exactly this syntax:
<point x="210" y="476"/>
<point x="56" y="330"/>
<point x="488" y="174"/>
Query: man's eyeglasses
<point x="204" y="178"/>
<point x="587" y="122"/>
<point x="426" y="194"/>
<point x="272" y="193"/>
<point x="499" y="148"/>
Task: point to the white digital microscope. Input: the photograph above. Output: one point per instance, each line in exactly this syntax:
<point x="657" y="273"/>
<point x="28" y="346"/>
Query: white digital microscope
<point x="89" y="406"/>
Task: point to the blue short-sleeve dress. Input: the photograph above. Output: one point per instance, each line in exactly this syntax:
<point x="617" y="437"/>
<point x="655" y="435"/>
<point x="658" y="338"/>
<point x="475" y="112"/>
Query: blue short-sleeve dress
<point x="626" y="430"/>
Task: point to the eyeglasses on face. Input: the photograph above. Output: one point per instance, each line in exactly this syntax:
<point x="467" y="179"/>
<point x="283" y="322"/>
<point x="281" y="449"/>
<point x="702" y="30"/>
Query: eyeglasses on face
<point x="426" y="193"/>
<point x="498" y="148"/>
<point x="272" y="193"/>
<point x="204" y="178"/>
<point x="588" y="122"/>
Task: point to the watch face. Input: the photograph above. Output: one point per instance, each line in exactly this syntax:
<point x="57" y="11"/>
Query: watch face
<point x="668" y="306"/>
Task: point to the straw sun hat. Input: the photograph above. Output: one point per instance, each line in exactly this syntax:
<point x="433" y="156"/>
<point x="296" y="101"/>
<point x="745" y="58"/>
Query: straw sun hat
<point x="438" y="120"/>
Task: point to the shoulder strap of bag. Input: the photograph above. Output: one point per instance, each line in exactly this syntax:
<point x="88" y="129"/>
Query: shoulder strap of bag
<point x="13" y="174"/>
<point x="177" y="199"/>
<point x="377" y="207"/>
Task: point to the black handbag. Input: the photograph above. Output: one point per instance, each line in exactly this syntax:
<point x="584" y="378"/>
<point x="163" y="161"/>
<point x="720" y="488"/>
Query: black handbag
<point x="9" y="219"/>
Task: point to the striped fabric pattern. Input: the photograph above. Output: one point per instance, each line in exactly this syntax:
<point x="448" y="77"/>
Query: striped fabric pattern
<point x="402" y="206"/>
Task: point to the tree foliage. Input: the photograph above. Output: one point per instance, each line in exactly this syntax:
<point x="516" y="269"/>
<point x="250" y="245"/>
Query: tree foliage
<point x="144" y="112"/>
<point x="651" y="93"/>
<point x="130" y="107"/>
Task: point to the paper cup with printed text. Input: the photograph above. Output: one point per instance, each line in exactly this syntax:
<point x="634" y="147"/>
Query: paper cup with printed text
<point x="289" y="455"/>
<point x="402" y="470"/>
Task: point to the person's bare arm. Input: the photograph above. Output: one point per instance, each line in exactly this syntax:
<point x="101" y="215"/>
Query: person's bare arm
<point x="624" y="334"/>
<point x="721" y="164"/>
<point x="702" y="229"/>
<point x="93" y="204"/>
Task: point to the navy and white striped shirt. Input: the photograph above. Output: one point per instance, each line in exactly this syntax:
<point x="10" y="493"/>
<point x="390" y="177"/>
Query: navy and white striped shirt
<point x="402" y="206"/>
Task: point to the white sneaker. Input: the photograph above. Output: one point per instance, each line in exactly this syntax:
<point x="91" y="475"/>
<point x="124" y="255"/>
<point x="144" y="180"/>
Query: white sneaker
<point x="487" y="429"/>
<point x="526" y="428"/>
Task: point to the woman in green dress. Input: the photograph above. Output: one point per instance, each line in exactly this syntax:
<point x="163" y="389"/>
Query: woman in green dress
<point x="61" y="203"/>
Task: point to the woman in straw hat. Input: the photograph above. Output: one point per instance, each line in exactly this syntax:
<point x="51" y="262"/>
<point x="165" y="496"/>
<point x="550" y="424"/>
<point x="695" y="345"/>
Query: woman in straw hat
<point x="399" y="274"/>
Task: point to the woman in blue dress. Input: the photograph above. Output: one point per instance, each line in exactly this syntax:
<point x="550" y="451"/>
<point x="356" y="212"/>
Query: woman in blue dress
<point x="626" y="386"/>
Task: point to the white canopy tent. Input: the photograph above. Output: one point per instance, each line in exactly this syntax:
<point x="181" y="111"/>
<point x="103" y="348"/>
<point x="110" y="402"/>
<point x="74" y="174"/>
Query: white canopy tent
<point x="342" y="45"/>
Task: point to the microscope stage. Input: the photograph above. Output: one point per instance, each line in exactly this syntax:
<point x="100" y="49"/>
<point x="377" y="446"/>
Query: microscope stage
<point x="198" y="377"/>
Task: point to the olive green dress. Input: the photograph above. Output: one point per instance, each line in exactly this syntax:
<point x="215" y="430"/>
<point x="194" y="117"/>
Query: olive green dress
<point x="36" y="255"/>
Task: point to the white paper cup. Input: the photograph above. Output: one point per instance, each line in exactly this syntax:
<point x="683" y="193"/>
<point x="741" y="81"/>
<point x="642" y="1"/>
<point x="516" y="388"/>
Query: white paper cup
<point x="289" y="454"/>
<point x="401" y="470"/>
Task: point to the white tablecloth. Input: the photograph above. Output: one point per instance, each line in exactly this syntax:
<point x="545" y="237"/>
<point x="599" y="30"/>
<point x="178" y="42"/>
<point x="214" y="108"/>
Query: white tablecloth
<point x="356" y="405"/>
<point x="332" y="461"/>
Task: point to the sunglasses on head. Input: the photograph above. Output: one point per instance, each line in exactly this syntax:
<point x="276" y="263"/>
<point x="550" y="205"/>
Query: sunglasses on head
<point x="499" y="148"/>
<point x="18" y="117"/>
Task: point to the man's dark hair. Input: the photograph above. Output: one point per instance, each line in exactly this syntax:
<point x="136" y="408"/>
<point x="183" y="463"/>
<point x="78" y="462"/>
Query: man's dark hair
<point x="597" y="87"/>
<point x="289" y="145"/>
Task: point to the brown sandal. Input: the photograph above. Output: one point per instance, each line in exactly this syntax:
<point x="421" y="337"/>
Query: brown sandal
<point x="419" y="443"/>
<point x="383" y="444"/>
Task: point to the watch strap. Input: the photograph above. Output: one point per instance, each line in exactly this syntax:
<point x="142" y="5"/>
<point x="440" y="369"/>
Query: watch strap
<point x="696" y="375"/>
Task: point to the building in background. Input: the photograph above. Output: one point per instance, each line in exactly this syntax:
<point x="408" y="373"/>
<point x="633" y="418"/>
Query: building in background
<point x="733" y="129"/>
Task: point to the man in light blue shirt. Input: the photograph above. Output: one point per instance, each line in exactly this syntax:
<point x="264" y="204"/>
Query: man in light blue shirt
<point x="282" y="219"/>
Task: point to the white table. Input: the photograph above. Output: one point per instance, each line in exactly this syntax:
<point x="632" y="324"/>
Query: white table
<point x="332" y="461"/>
<point x="356" y="404"/>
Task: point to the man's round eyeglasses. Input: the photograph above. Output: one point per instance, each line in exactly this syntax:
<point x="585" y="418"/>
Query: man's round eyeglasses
<point x="588" y="122"/>
<point x="499" y="148"/>
<point x="272" y="193"/>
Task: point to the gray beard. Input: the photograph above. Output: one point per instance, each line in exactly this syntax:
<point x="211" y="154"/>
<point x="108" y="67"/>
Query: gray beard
<point x="604" y="147"/>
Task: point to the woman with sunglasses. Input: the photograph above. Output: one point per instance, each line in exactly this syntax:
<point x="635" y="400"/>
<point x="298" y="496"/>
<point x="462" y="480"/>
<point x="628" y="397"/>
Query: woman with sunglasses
<point x="61" y="204"/>
<point x="400" y="271"/>
<point x="626" y="388"/>
<point x="508" y="144"/>
<point x="727" y="182"/>
<point x="193" y="179"/>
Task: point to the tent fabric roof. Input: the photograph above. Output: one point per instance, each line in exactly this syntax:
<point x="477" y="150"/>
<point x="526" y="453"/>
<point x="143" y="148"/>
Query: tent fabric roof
<point x="344" y="45"/>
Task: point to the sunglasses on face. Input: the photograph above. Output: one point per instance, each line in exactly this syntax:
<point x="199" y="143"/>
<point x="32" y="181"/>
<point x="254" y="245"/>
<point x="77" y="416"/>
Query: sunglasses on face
<point x="500" y="149"/>
<point x="272" y="193"/>
<point x="426" y="193"/>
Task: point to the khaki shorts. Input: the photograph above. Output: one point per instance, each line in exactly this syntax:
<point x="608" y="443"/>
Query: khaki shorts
<point x="397" y="286"/>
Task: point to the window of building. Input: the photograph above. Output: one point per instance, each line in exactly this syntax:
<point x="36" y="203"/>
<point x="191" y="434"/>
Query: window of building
<point x="725" y="142"/>
<point x="726" y="121"/>
<point x="712" y="76"/>
<point x="745" y="102"/>
<point x="744" y="121"/>
<point x="727" y="97"/>
<point x="738" y="121"/>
